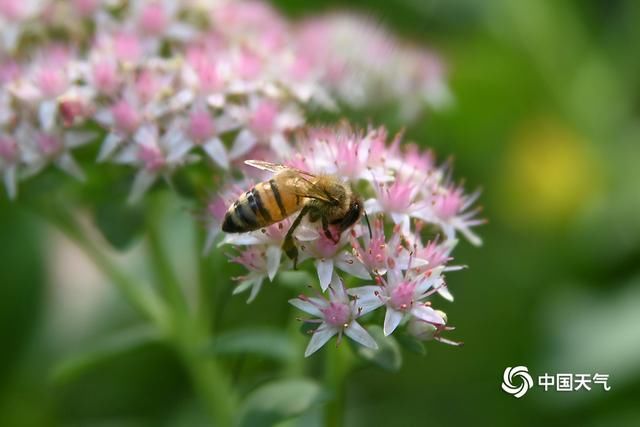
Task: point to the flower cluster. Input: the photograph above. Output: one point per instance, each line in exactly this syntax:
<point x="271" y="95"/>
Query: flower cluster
<point x="160" y="84"/>
<point x="398" y="264"/>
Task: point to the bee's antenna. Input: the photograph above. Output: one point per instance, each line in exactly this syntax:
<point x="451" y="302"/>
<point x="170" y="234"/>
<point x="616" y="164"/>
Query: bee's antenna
<point x="366" y="217"/>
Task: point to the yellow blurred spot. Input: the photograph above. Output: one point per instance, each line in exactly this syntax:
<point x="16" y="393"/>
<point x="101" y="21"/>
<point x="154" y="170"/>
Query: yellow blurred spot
<point x="550" y="174"/>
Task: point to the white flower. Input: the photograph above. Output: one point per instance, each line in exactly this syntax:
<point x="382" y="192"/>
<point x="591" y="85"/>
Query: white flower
<point x="39" y="148"/>
<point x="150" y="152"/>
<point x="403" y="296"/>
<point x="328" y="255"/>
<point x="337" y="315"/>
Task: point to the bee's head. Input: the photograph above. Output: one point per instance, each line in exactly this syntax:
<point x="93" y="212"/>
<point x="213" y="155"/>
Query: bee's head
<point x="353" y="214"/>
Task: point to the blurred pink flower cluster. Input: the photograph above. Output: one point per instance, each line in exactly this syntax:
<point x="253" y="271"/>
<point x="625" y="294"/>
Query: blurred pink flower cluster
<point x="170" y="83"/>
<point x="417" y="215"/>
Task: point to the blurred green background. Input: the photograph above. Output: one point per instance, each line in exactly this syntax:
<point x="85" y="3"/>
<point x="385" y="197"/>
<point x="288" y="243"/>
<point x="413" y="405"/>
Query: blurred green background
<point x="545" y="120"/>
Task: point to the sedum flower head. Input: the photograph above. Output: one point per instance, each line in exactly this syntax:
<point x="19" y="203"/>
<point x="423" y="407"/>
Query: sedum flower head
<point x="399" y="265"/>
<point x="160" y="85"/>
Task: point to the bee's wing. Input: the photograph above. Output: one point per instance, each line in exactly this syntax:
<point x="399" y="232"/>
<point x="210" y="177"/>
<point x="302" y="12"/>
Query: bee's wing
<point x="266" y="166"/>
<point x="273" y="167"/>
<point x="299" y="183"/>
<point x="304" y="187"/>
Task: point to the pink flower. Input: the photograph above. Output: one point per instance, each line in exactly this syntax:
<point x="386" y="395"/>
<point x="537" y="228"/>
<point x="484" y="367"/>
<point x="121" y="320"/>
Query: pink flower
<point x="254" y="259"/>
<point x="378" y="255"/>
<point x="153" y="18"/>
<point x="399" y="199"/>
<point x="126" y="117"/>
<point x="40" y="148"/>
<point x="450" y="210"/>
<point x="337" y="315"/>
<point x="403" y="296"/>
<point x="150" y="153"/>
<point x="201" y="129"/>
<point x="329" y="255"/>
<point x="127" y="47"/>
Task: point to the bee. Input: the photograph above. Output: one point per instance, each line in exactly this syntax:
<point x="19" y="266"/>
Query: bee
<point x="323" y="198"/>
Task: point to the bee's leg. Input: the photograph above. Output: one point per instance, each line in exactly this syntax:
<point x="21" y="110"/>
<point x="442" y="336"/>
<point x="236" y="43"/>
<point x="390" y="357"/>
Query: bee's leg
<point x="327" y="231"/>
<point x="288" y="246"/>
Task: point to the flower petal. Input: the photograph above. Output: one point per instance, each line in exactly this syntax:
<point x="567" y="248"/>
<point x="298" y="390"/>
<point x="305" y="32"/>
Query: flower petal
<point x="306" y="306"/>
<point x="372" y="206"/>
<point x="391" y="320"/>
<point x="444" y="293"/>
<point x="217" y="151"/>
<point x="257" y="285"/>
<point x="181" y="100"/>
<point x="77" y="138"/>
<point x="243" y="143"/>
<point x="360" y="335"/>
<point x="427" y="314"/>
<point x="319" y="338"/>
<point x="69" y="165"/>
<point x="141" y="183"/>
<point x="325" y="272"/>
<point x="10" y="181"/>
<point x="350" y="264"/>
<point x="368" y="298"/>
<point x="47" y="114"/>
<point x="109" y="146"/>
<point x="274" y="253"/>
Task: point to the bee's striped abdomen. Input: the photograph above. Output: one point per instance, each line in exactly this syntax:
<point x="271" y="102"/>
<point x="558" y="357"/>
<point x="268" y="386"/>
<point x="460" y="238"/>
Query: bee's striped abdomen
<point x="259" y="207"/>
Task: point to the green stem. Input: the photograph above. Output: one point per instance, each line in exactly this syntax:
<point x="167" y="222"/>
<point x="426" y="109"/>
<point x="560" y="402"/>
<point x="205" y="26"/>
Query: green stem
<point x="191" y="330"/>
<point x="164" y="273"/>
<point x="336" y="369"/>
<point x="207" y="293"/>
<point x="187" y="333"/>
<point x="212" y="384"/>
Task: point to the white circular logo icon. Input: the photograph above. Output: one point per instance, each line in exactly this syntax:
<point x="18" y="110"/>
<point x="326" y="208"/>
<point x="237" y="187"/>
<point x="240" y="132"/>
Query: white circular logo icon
<point x="521" y="374"/>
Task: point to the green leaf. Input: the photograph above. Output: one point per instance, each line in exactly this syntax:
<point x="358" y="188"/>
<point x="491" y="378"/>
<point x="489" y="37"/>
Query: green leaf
<point x="22" y="283"/>
<point x="103" y="351"/>
<point x="279" y="400"/>
<point x="388" y="355"/>
<point x="265" y="342"/>
<point x="411" y="343"/>
<point x="120" y="223"/>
